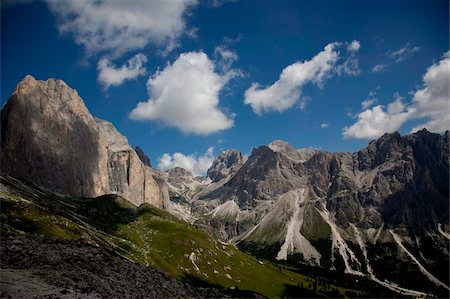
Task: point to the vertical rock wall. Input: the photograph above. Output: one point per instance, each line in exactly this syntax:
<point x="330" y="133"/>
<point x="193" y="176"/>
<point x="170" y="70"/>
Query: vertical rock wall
<point x="49" y="138"/>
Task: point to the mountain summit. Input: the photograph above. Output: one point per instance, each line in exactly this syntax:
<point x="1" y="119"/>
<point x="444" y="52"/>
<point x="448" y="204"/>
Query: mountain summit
<point x="48" y="137"/>
<point x="225" y="165"/>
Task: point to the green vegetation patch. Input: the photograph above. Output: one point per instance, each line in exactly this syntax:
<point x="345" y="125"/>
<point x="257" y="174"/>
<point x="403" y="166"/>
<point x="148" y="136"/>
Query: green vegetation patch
<point x="314" y="227"/>
<point x="385" y="261"/>
<point x="150" y="237"/>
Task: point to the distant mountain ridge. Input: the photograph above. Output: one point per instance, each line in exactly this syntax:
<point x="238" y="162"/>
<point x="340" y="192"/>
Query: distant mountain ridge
<point x="376" y="176"/>
<point x="338" y="210"/>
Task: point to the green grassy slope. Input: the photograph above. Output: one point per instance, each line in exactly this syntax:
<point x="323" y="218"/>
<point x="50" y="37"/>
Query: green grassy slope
<point x="148" y="236"/>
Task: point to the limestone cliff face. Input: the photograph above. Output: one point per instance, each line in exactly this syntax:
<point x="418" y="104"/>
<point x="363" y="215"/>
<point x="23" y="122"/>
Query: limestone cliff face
<point x="48" y="137"/>
<point x="225" y="165"/>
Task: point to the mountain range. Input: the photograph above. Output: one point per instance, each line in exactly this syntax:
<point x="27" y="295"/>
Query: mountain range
<point x="381" y="213"/>
<point x="336" y="210"/>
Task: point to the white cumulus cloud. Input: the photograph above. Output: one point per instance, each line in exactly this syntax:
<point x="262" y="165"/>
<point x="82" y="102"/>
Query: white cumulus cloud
<point x="196" y="164"/>
<point x="367" y="103"/>
<point x="324" y="125"/>
<point x="354" y="46"/>
<point x="224" y="61"/>
<point x="117" y="27"/>
<point x="350" y="65"/>
<point x="111" y="75"/>
<point x="374" y="122"/>
<point x="286" y="92"/>
<point x="225" y="56"/>
<point x="433" y="100"/>
<point x="185" y="95"/>
<point x="371" y="99"/>
<point x="430" y="102"/>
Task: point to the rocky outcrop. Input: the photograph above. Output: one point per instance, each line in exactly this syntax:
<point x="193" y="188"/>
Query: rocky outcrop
<point x="50" y="267"/>
<point x="179" y="174"/>
<point x="49" y="138"/>
<point x="144" y="158"/>
<point x="265" y="175"/>
<point x="183" y="185"/>
<point x="225" y="165"/>
<point x="280" y="146"/>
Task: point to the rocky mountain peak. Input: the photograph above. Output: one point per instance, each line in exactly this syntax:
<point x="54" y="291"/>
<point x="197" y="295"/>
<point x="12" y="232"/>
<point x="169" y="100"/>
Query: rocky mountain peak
<point x="296" y="155"/>
<point x="48" y="137"/>
<point x="179" y="172"/>
<point x="260" y="150"/>
<point x="280" y="146"/>
<point x="225" y="165"/>
<point x="306" y="153"/>
<point x="387" y="147"/>
<point x="59" y="96"/>
<point x="27" y="82"/>
<point x="284" y="148"/>
<point x="388" y="139"/>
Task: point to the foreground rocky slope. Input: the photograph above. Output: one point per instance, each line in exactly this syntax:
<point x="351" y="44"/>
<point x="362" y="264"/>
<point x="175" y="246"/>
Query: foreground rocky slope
<point x="48" y="137"/>
<point x="34" y="265"/>
<point x="107" y="247"/>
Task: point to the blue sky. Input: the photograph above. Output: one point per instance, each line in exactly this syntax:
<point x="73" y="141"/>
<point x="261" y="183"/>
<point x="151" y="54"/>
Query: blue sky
<point x="202" y="58"/>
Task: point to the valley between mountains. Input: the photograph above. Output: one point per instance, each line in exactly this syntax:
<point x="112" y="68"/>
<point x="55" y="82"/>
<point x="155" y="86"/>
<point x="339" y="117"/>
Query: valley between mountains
<point x="82" y="211"/>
